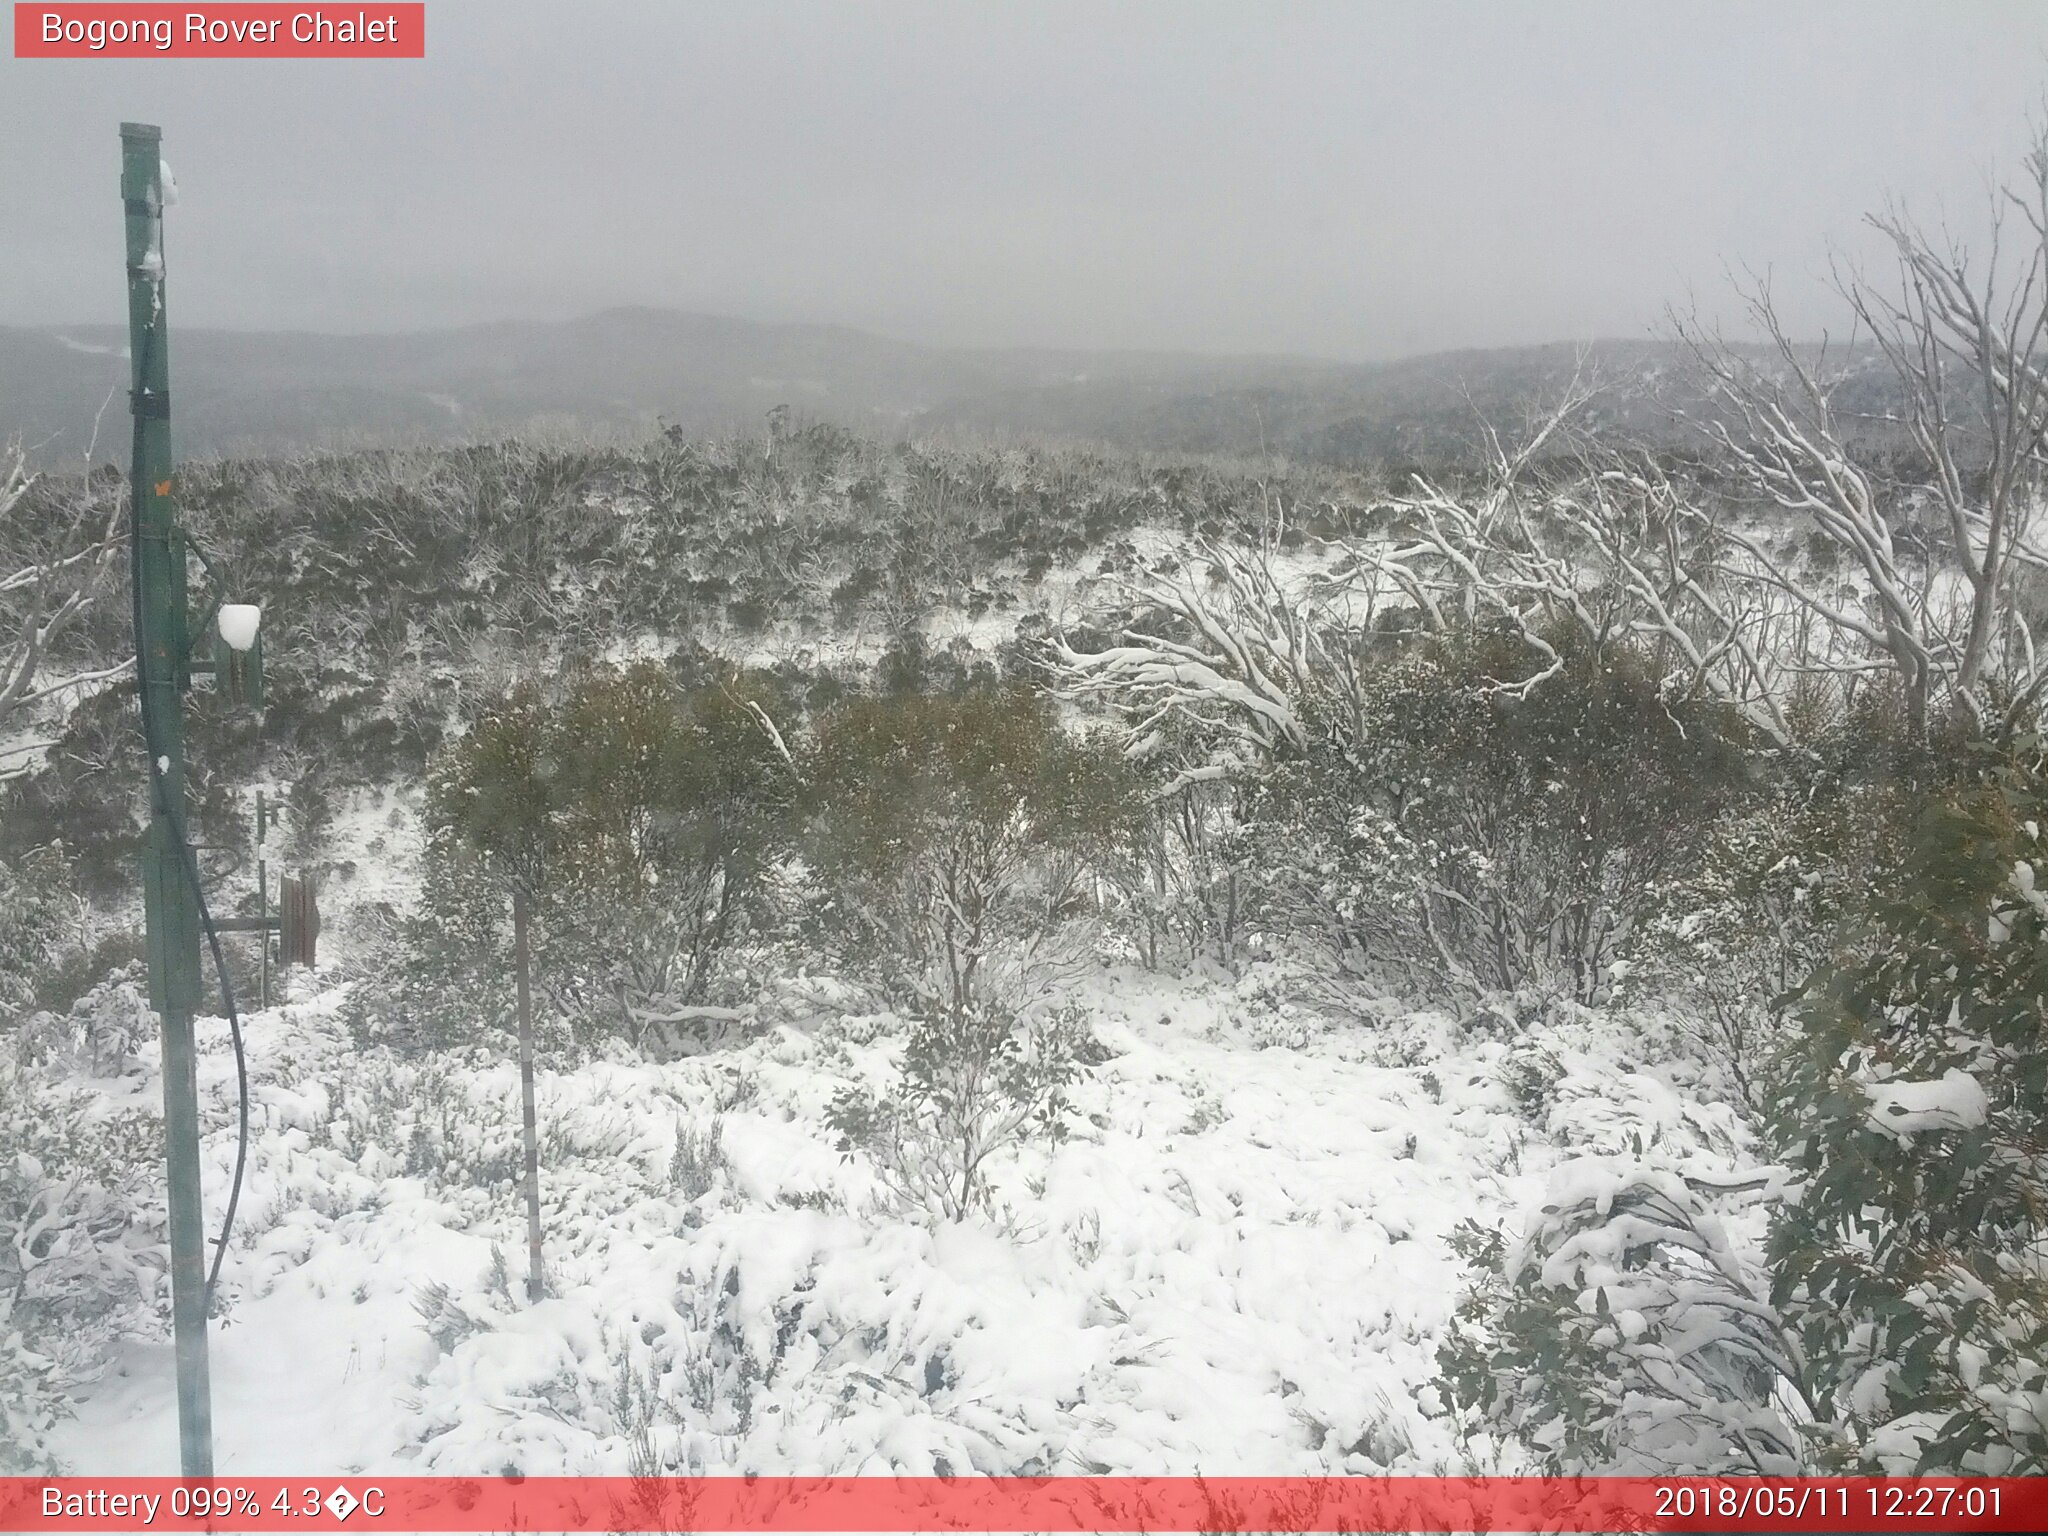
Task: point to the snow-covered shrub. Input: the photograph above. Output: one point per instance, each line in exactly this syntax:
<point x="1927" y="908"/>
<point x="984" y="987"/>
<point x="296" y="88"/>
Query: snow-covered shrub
<point x="1501" y="837"/>
<point x="973" y="1083"/>
<point x="36" y="905"/>
<point x="80" y="1263"/>
<point x="638" y="1408"/>
<point x="81" y="968"/>
<point x="699" y="1159"/>
<point x="1177" y="873"/>
<point x="432" y="1118"/>
<point x="1622" y="1335"/>
<point x="1913" y="1103"/>
<point x="1906" y="1267"/>
<point x="444" y="979"/>
<point x="1530" y="1071"/>
<point x="673" y="1386"/>
<point x="98" y="1034"/>
<point x="948" y="836"/>
<point x="640" y="818"/>
<point x="448" y="1319"/>
<point x="673" y="807"/>
<point x="1729" y="938"/>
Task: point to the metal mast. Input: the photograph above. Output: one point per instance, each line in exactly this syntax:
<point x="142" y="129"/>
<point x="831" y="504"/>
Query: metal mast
<point x="162" y="651"/>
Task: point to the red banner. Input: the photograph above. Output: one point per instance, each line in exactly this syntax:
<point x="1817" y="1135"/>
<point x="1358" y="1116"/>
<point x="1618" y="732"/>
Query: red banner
<point x="1063" y="1504"/>
<point x="360" y="31"/>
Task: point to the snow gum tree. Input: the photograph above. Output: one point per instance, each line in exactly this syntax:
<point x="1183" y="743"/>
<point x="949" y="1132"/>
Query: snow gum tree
<point x="54" y="558"/>
<point x="1940" y="541"/>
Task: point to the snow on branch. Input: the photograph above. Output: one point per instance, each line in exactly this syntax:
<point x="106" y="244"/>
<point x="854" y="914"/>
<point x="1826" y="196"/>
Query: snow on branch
<point x="1935" y="558"/>
<point x="1229" y="650"/>
<point x="1595" y="541"/>
<point x="44" y="596"/>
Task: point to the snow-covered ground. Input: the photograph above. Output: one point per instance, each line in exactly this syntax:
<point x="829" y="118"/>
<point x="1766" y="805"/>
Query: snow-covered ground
<point x="1237" y="1263"/>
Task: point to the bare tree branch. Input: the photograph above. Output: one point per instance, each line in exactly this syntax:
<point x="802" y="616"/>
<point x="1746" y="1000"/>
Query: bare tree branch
<point x="42" y="598"/>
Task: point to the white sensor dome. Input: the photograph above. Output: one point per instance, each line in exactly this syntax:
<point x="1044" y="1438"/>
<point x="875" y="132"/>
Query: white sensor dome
<point x="238" y="622"/>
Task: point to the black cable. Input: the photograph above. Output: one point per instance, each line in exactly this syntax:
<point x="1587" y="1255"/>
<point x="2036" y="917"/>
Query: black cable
<point x="163" y="801"/>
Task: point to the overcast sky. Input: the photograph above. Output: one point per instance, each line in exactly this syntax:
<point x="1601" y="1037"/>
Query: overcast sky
<point x="1350" y="179"/>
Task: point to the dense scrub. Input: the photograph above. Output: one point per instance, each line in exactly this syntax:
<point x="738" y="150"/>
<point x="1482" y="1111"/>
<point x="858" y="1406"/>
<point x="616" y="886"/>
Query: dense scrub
<point x="401" y="588"/>
<point x="933" y="734"/>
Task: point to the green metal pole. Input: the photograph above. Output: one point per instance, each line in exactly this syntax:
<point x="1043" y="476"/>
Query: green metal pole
<point x="170" y="908"/>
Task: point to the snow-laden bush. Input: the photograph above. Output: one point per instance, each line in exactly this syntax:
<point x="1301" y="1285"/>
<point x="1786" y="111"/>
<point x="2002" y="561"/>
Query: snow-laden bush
<point x="802" y="1340"/>
<point x="668" y="1391"/>
<point x="449" y="1320"/>
<point x="98" y="1033"/>
<point x="444" y="977"/>
<point x="36" y="904"/>
<point x="1907" y="1319"/>
<point x="430" y="1118"/>
<point x="1622" y="1335"/>
<point x="1494" y="806"/>
<point x="948" y="837"/>
<point x="1530" y="1071"/>
<point x="973" y="1083"/>
<point x="1913" y="1104"/>
<point x="1178" y="876"/>
<point x="699" y="1160"/>
<point x="1730" y="937"/>
<point x="81" y="1263"/>
<point x="1499" y="837"/>
<point x="672" y="808"/>
<point x="640" y="820"/>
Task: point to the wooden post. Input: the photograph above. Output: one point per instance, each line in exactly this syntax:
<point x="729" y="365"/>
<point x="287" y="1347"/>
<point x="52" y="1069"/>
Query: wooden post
<point x="535" y="1287"/>
<point x="298" y="923"/>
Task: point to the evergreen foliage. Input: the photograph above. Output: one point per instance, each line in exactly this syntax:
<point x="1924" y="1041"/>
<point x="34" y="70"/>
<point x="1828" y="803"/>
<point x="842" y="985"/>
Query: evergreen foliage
<point x="950" y="834"/>
<point x="1508" y="837"/>
<point x="1914" y="1264"/>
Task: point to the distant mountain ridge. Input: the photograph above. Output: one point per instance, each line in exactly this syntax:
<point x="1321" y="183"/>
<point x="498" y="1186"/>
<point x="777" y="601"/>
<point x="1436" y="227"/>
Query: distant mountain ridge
<point x="626" y="370"/>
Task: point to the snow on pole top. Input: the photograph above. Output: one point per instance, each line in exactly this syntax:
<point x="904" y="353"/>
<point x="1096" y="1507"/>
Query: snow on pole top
<point x="238" y="624"/>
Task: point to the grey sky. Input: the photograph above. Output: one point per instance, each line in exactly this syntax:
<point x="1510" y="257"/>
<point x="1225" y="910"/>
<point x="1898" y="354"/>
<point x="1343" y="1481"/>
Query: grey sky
<point x="1353" y="179"/>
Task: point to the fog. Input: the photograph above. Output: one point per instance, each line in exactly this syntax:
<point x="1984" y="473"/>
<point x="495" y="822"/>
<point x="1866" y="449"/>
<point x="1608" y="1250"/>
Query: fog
<point x="1348" y="180"/>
